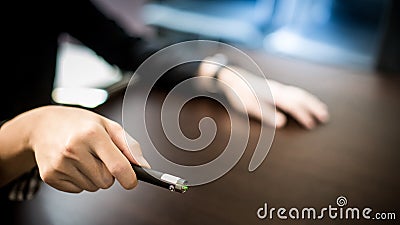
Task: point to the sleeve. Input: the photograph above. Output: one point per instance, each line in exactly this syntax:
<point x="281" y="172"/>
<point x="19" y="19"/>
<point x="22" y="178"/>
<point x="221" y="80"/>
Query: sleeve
<point x="23" y="188"/>
<point x="85" y="22"/>
<point x="90" y="26"/>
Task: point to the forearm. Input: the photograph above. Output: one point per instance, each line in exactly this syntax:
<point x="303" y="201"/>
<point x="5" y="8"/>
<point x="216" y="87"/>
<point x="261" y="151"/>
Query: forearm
<point x="16" y="158"/>
<point x="85" y="22"/>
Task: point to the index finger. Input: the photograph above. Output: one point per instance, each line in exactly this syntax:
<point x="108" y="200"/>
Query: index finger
<point x="115" y="161"/>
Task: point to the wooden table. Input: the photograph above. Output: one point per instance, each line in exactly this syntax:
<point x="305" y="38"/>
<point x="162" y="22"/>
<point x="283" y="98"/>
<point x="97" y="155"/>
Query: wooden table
<point x="356" y="155"/>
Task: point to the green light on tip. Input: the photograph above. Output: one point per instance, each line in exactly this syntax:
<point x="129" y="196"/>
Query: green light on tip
<point x="185" y="188"/>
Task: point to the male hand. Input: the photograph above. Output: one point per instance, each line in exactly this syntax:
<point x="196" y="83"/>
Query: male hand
<point x="77" y="150"/>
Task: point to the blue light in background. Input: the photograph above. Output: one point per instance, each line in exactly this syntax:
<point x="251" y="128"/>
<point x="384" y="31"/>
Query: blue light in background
<point x="345" y="32"/>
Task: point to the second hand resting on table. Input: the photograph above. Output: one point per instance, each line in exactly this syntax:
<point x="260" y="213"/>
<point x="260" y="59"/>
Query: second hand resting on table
<point x="306" y="108"/>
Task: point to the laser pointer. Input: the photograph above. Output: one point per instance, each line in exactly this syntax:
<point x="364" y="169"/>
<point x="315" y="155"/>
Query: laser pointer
<point x="165" y="180"/>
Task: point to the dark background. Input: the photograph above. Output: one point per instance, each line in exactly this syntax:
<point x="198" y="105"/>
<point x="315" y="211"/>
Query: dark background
<point x="358" y="34"/>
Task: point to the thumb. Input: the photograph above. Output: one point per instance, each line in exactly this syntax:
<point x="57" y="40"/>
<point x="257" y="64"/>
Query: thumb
<point x="280" y="119"/>
<point x="135" y="152"/>
<point x="128" y="145"/>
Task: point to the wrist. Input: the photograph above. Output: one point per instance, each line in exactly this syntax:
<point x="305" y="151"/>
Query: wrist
<point x="17" y="133"/>
<point x="276" y="89"/>
<point x="233" y="77"/>
<point x="211" y="65"/>
<point x="210" y="69"/>
<point x="15" y="152"/>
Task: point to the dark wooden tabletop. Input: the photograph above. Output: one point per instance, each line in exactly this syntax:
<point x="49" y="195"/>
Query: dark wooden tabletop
<point x="355" y="155"/>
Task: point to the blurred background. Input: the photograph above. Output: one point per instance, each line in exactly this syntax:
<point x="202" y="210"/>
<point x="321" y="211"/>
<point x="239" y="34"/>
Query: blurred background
<point x="345" y="32"/>
<point x="356" y="34"/>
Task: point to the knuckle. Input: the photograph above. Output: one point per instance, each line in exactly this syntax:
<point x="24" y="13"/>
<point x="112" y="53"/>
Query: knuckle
<point x="47" y="176"/>
<point x="92" y="189"/>
<point x="117" y="169"/>
<point x="86" y="132"/>
<point x="54" y="166"/>
<point x="108" y="182"/>
<point x="58" y="162"/>
<point x="116" y="125"/>
<point x="68" y="151"/>
<point x="89" y="131"/>
<point x="74" y="190"/>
